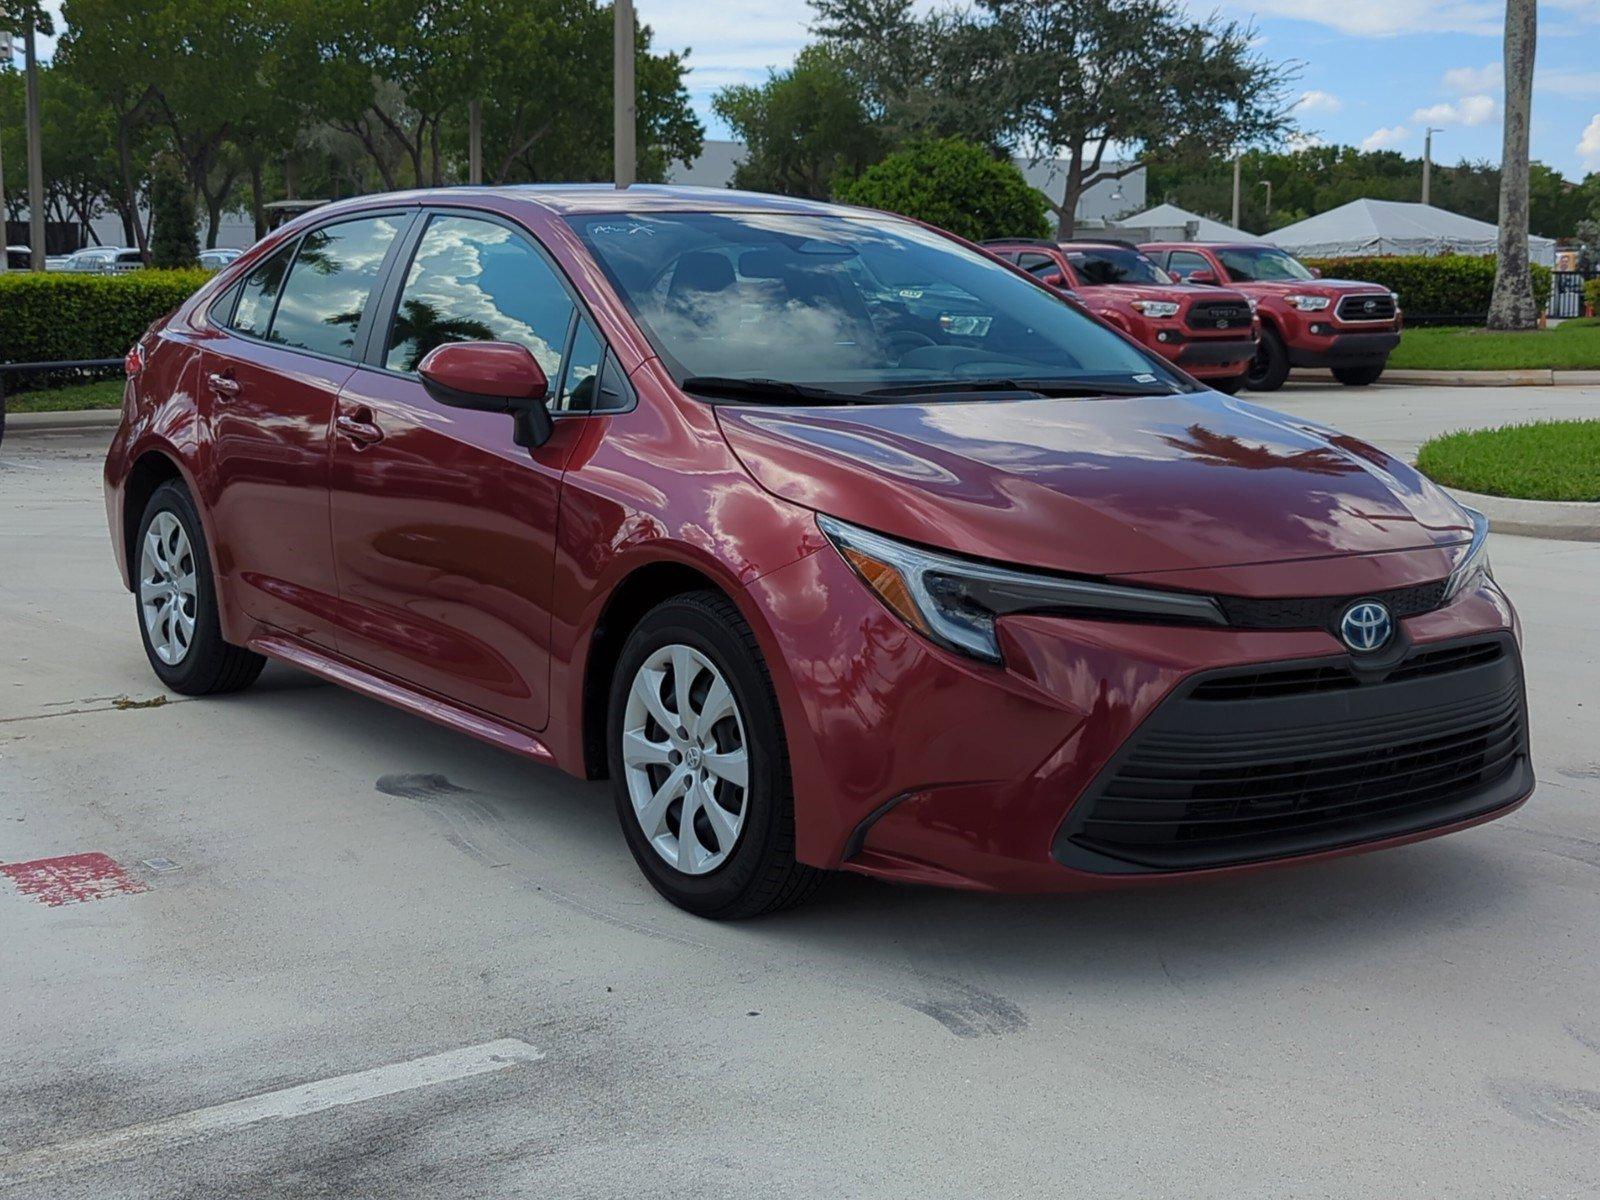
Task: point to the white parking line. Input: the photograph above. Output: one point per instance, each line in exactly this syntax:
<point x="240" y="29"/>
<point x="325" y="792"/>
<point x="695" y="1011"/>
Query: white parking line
<point x="298" y="1101"/>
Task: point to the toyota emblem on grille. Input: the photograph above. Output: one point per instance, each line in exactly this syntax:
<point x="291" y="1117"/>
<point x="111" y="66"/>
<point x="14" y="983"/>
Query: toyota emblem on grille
<point x="1366" y="626"/>
<point x="1370" y="306"/>
<point x="1222" y="322"/>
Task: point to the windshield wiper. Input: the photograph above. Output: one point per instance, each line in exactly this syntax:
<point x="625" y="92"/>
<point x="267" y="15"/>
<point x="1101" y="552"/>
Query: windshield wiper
<point x="1039" y="387"/>
<point x="727" y="385"/>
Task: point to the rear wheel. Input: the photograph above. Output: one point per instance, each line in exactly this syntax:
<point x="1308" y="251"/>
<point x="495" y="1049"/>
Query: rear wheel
<point x="1270" y="367"/>
<point x="699" y="767"/>
<point x="1358" y="376"/>
<point x="176" y="600"/>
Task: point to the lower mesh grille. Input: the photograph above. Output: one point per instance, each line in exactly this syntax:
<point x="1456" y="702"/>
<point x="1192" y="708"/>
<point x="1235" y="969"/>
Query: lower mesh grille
<point x="1223" y="777"/>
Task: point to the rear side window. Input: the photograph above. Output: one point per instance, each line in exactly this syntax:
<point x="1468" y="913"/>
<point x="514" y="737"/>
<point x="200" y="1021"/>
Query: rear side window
<point x="259" y="293"/>
<point x="477" y="281"/>
<point x="1038" y="264"/>
<point x="328" y="285"/>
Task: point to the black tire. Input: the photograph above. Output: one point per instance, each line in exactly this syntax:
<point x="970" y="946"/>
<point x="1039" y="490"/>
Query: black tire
<point x="1358" y="376"/>
<point x="211" y="665"/>
<point x="1230" y="386"/>
<point x="760" y="873"/>
<point x="1270" y="367"/>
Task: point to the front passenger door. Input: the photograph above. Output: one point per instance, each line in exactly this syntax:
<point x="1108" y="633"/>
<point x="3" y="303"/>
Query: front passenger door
<point x="443" y="527"/>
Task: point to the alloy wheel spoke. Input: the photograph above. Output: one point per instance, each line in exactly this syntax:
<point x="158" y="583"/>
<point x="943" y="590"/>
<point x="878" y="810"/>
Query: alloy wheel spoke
<point x="718" y="704"/>
<point x="684" y="669"/>
<point x="648" y="688"/>
<point x="640" y="751"/>
<point x="734" y="766"/>
<point x="654" y="812"/>
<point x="690" y="852"/>
<point x="723" y="823"/>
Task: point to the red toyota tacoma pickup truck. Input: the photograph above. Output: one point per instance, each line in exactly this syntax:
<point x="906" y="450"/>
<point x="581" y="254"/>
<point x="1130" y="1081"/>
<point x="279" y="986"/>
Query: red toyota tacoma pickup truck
<point x="1343" y="325"/>
<point x="1210" y="333"/>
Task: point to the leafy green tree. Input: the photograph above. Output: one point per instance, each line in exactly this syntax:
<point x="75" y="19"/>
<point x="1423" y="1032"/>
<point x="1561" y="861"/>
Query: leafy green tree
<point x="802" y="128"/>
<point x="172" y="217"/>
<point x="954" y="185"/>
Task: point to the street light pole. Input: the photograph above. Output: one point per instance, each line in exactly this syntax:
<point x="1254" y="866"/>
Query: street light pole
<point x="1427" y="163"/>
<point x="623" y="100"/>
<point x="1238" y="163"/>
<point x="1267" y="183"/>
<point x="30" y="64"/>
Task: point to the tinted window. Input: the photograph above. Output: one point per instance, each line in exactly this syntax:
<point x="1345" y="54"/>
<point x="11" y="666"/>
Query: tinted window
<point x="1185" y="263"/>
<point x="1115" y="265"/>
<point x="329" y="283"/>
<point x="1248" y="265"/>
<point x="1038" y="264"/>
<point x="475" y="281"/>
<point x="259" y="292"/>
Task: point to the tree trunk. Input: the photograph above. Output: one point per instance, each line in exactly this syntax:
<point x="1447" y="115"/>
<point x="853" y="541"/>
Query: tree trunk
<point x="132" y="228"/>
<point x="1512" y="305"/>
<point x="258" y="211"/>
<point x="1067" y="214"/>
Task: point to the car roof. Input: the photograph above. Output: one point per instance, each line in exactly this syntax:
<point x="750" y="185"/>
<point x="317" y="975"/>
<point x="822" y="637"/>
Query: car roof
<point x="566" y="199"/>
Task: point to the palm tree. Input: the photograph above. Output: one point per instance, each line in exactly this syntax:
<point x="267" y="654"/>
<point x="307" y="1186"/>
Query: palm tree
<point x="1512" y="305"/>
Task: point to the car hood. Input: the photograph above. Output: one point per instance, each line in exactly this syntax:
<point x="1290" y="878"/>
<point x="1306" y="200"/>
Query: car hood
<point x="1313" y="287"/>
<point x="1177" y="292"/>
<point x="1107" y="486"/>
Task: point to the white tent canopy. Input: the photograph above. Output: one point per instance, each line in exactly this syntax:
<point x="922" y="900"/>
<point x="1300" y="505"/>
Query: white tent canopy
<point x="1170" y="216"/>
<point x="1372" y="227"/>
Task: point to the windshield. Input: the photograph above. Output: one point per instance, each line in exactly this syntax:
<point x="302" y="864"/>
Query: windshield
<point x="1110" y="265"/>
<point x="1261" y="264"/>
<point x="847" y="304"/>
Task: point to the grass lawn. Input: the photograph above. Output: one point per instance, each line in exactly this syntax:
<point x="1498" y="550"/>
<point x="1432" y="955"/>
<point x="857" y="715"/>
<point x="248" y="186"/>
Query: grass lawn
<point x="1570" y="346"/>
<point x="1547" y="460"/>
<point x="107" y="393"/>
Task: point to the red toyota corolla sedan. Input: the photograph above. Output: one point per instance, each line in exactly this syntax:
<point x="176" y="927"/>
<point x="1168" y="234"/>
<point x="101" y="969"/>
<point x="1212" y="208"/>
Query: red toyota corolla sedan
<point x="832" y="541"/>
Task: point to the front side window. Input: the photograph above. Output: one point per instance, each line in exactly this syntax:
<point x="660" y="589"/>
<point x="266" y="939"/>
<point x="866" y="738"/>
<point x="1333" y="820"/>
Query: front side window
<point x="478" y="281"/>
<point x="259" y="293"/>
<point x="1185" y="263"/>
<point x="1038" y="265"/>
<point x="853" y="304"/>
<point x="329" y="285"/>
<point x="1253" y="264"/>
<point x="1115" y="265"/>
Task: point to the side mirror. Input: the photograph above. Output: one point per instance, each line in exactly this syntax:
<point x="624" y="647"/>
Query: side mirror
<point x="491" y="377"/>
<point x="1054" y="278"/>
<point x="1202" y="277"/>
<point x="1316" y="272"/>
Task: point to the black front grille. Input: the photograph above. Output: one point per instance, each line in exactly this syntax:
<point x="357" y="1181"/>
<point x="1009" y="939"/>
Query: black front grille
<point x="1320" y="612"/>
<point x="1243" y="766"/>
<point x="1379" y="306"/>
<point x="1217" y="315"/>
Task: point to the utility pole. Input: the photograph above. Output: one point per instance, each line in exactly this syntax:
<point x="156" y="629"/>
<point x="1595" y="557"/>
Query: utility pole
<point x="1267" y="183"/>
<point x="475" y="141"/>
<point x="5" y="257"/>
<point x="1238" y="163"/>
<point x="1427" y="163"/>
<point x="623" y="100"/>
<point x="30" y="64"/>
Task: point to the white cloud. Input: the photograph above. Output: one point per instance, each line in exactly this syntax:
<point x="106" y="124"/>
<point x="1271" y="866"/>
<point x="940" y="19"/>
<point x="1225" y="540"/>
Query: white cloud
<point x="1469" y="110"/>
<point x="1589" y="144"/>
<point x="1465" y="81"/>
<point x="1316" y="101"/>
<point x="1385" y="138"/>
<point x="1389" y="18"/>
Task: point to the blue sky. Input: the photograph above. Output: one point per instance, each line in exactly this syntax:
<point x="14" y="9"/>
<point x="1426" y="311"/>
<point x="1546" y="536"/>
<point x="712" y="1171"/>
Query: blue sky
<point x="1375" y="72"/>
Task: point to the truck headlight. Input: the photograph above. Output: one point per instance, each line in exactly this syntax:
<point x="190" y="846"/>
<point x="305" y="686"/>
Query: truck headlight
<point x="1308" y="303"/>
<point x="1156" y="308"/>
<point x="955" y="601"/>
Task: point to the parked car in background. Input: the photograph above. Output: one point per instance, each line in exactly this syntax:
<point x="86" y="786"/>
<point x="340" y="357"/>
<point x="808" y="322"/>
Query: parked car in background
<point x="1342" y="325"/>
<point x="19" y="258"/>
<point x="89" y="259"/>
<point x="1209" y="333"/>
<point x="215" y="260"/>
<point x="832" y="541"/>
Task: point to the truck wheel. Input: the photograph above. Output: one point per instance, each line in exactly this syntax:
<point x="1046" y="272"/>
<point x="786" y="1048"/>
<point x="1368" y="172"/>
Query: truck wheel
<point x="1230" y="385"/>
<point x="1270" y="367"/>
<point x="1358" y="376"/>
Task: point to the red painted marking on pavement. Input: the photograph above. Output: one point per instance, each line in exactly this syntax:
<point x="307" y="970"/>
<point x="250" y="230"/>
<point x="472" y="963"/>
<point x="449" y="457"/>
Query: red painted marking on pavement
<point x="71" y="878"/>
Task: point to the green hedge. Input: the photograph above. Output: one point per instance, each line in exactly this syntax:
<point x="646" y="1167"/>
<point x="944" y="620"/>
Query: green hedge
<point x="49" y="317"/>
<point x="1591" y="295"/>
<point x="1446" y="285"/>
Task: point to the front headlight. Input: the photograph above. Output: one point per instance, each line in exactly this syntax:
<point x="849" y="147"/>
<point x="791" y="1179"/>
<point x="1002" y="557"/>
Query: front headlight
<point x="954" y="601"/>
<point x="1156" y="308"/>
<point x="1253" y="303"/>
<point x="1308" y="303"/>
<point x="1476" y="564"/>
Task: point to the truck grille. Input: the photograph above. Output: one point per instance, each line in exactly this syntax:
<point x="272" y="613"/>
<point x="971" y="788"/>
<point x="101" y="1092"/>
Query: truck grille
<point x="1379" y="306"/>
<point x="1231" y="769"/>
<point x="1217" y="315"/>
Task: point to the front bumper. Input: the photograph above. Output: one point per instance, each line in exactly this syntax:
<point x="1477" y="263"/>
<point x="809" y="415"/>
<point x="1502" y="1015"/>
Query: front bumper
<point x="1344" y="349"/>
<point x="915" y="764"/>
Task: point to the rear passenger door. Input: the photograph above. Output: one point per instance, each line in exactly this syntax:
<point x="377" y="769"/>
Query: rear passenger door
<point x="444" y="528"/>
<point x="267" y="392"/>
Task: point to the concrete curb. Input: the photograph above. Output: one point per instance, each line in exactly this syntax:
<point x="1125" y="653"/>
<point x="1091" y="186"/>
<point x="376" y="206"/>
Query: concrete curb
<point x="1541" y="377"/>
<point x="18" y="424"/>
<point x="1570" y="521"/>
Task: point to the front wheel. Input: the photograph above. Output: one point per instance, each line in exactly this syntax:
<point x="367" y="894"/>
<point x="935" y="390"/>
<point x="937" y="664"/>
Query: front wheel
<point x="1358" y="376"/>
<point x="176" y="599"/>
<point x="1270" y="367"/>
<point x="1231" y="385"/>
<point x="699" y="766"/>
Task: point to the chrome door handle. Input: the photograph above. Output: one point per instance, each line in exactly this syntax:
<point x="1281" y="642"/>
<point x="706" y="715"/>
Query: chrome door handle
<point x="360" y="433"/>
<point x="225" y="386"/>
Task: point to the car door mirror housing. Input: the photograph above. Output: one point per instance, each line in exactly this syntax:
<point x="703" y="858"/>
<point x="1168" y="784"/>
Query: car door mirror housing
<point x="1316" y="272"/>
<point x="1202" y="277"/>
<point x="491" y="377"/>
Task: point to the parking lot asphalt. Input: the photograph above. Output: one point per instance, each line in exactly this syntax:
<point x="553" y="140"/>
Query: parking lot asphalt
<point x="300" y="886"/>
